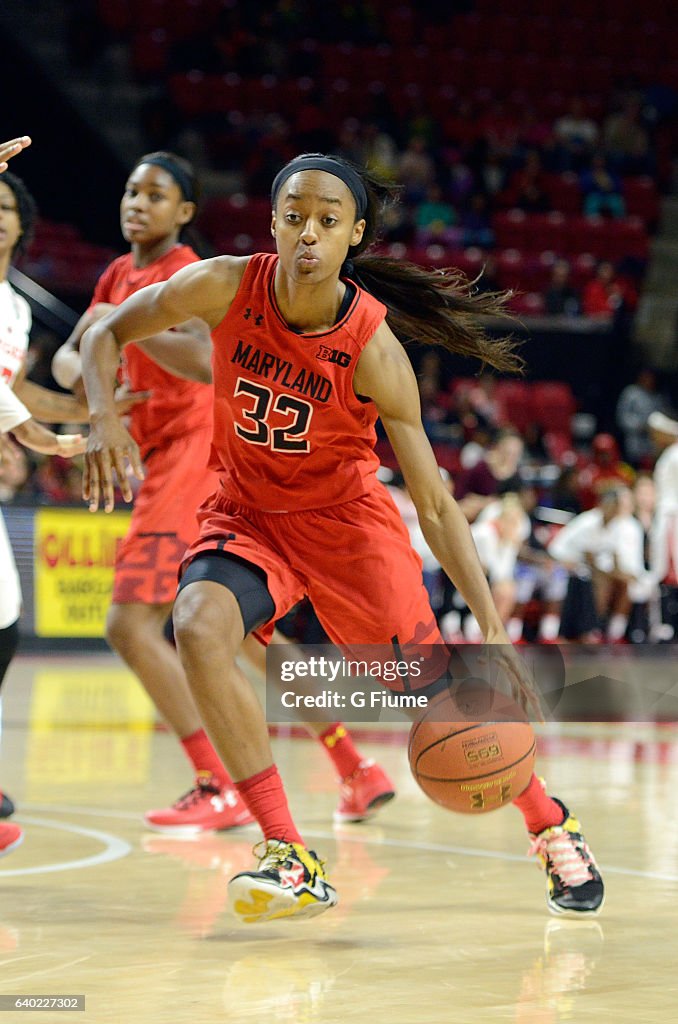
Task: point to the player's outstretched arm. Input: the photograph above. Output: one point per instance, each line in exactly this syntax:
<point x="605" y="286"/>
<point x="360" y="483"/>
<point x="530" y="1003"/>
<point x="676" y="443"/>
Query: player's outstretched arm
<point x="385" y="375"/>
<point x="185" y="351"/>
<point x="204" y="290"/>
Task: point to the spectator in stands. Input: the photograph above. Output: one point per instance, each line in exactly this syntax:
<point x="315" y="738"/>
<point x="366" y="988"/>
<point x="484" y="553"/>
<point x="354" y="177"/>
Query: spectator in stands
<point x="416" y="170"/>
<point x="643" y="592"/>
<point x="608" y="295"/>
<point x="664" y="540"/>
<point x="484" y="401"/>
<point x="527" y="190"/>
<point x="536" y="573"/>
<point x="565" y="491"/>
<point x="594" y="548"/>
<point x="601" y="189"/>
<point x="475" y="221"/>
<point x="379" y="151"/>
<point x="635" y="405"/>
<point x="605" y="471"/>
<point x="497" y="473"/>
<point x="498" y="541"/>
<point x="435" y="219"/>
<point x="576" y="136"/>
<point x="460" y="184"/>
<point x="561" y="297"/>
<point x="493" y="174"/>
<point x="626" y="140"/>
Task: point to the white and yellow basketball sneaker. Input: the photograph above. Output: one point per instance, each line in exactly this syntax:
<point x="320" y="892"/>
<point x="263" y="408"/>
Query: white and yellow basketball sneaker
<point x="290" y="881"/>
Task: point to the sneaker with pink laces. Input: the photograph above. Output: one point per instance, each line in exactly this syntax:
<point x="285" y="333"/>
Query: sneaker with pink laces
<point x="205" y="808"/>
<point x="574" y="887"/>
<point x="363" y="793"/>
<point x="11" y="836"/>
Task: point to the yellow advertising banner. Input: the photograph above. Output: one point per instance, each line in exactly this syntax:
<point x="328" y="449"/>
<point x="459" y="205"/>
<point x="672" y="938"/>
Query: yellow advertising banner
<point x="74" y="559"/>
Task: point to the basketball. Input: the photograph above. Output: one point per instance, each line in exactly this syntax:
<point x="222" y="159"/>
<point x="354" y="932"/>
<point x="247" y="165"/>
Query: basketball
<point x="466" y="766"/>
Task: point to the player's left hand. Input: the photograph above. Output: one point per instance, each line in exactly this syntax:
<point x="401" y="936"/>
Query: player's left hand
<point x="524" y="690"/>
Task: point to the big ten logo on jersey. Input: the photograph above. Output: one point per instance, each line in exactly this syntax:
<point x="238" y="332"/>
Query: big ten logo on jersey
<point x="333" y="355"/>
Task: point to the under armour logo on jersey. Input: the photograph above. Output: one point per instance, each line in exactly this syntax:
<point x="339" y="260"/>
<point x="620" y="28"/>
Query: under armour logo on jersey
<point x="333" y="355"/>
<point x="258" y="317"/>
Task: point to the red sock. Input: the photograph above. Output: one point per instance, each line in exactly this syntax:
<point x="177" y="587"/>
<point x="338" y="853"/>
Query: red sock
<point x="264" y="795"/>
<point x="538" y="809"/>
<point x="205" y="759"/>
<point x="339" y="745"/>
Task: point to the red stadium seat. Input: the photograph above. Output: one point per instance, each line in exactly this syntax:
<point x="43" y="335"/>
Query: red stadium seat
<point x="516" y="397"/>
<point x="554" y="405"/>
<point x="510" y="229"/>
<point x="642" y="199"/>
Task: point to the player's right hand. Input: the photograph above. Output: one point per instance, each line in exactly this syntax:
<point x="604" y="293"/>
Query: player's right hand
<point x="110" y="448"/>
<point x="12" y="148"/>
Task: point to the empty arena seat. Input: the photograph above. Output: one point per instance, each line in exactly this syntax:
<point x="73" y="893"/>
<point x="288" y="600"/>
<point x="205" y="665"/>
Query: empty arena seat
<point x="553" y="405"/>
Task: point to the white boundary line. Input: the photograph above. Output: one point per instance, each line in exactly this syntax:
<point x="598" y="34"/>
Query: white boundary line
<point x="114" y="849"/>
<point x="398" y="844"/>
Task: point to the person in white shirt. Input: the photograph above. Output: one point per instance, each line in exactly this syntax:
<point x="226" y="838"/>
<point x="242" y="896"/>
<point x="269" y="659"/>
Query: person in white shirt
<point x="664" y="545"/>
<point x="664" y="533"/>
<point x="15" y="418"/>
<point x="498" y="541"/>
<point x="603" y="551"/>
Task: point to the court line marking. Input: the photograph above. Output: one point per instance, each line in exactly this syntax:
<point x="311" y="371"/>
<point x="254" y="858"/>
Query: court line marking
<point x="51" y="970"/>
<point x="398" y="844"/>
<point x="114" y="849"/>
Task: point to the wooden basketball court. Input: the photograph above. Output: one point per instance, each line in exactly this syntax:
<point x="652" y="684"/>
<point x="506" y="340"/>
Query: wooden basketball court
<point x="441" y="917"/>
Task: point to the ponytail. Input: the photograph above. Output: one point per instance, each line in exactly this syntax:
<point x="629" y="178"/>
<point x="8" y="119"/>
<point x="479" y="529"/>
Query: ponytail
<point x="438" y="308"/>
<point x="433" y="307"/>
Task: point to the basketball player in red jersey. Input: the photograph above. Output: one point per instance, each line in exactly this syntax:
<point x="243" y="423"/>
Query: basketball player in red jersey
<point x="174" y="428"/>
<point x="306" y="357"/>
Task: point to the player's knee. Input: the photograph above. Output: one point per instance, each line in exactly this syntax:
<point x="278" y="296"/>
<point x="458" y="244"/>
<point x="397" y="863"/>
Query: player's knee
<point x="199" y="620"/>
<point x="119" y="627"/>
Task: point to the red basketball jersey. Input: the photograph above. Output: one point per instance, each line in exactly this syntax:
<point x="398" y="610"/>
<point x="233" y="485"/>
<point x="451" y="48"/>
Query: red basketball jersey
<point x="289" y="431"/>
<point x="176" y="407"/>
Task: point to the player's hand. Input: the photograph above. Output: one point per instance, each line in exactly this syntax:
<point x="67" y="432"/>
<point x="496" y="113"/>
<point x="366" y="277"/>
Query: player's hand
<point x="68" y="445"/>
<point x="110" y="448"/>
<point x="126" y="400"/>
<point x="524" y="689"/>
<point x="12" y="148"/>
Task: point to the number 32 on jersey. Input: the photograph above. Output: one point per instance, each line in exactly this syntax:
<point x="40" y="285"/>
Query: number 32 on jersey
<point x="262" y="418"/>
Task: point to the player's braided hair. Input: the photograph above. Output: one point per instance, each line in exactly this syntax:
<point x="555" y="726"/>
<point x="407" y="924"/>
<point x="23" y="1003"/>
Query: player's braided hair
<point x="436" y="307"/>
<point x="26" y="209"/>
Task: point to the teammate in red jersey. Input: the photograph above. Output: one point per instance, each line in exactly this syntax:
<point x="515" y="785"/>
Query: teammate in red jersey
<point x="306" y="357"/>
<point x="173" y="429"/>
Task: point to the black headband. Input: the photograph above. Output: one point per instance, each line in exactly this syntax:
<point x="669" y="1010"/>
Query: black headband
<point x="178" y="173"/>
<point x="350" y="178"/>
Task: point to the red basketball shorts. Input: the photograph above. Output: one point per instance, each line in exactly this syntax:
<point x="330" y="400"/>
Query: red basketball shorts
<point x="354" y="561"/>
<point x="164" y="520"/>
